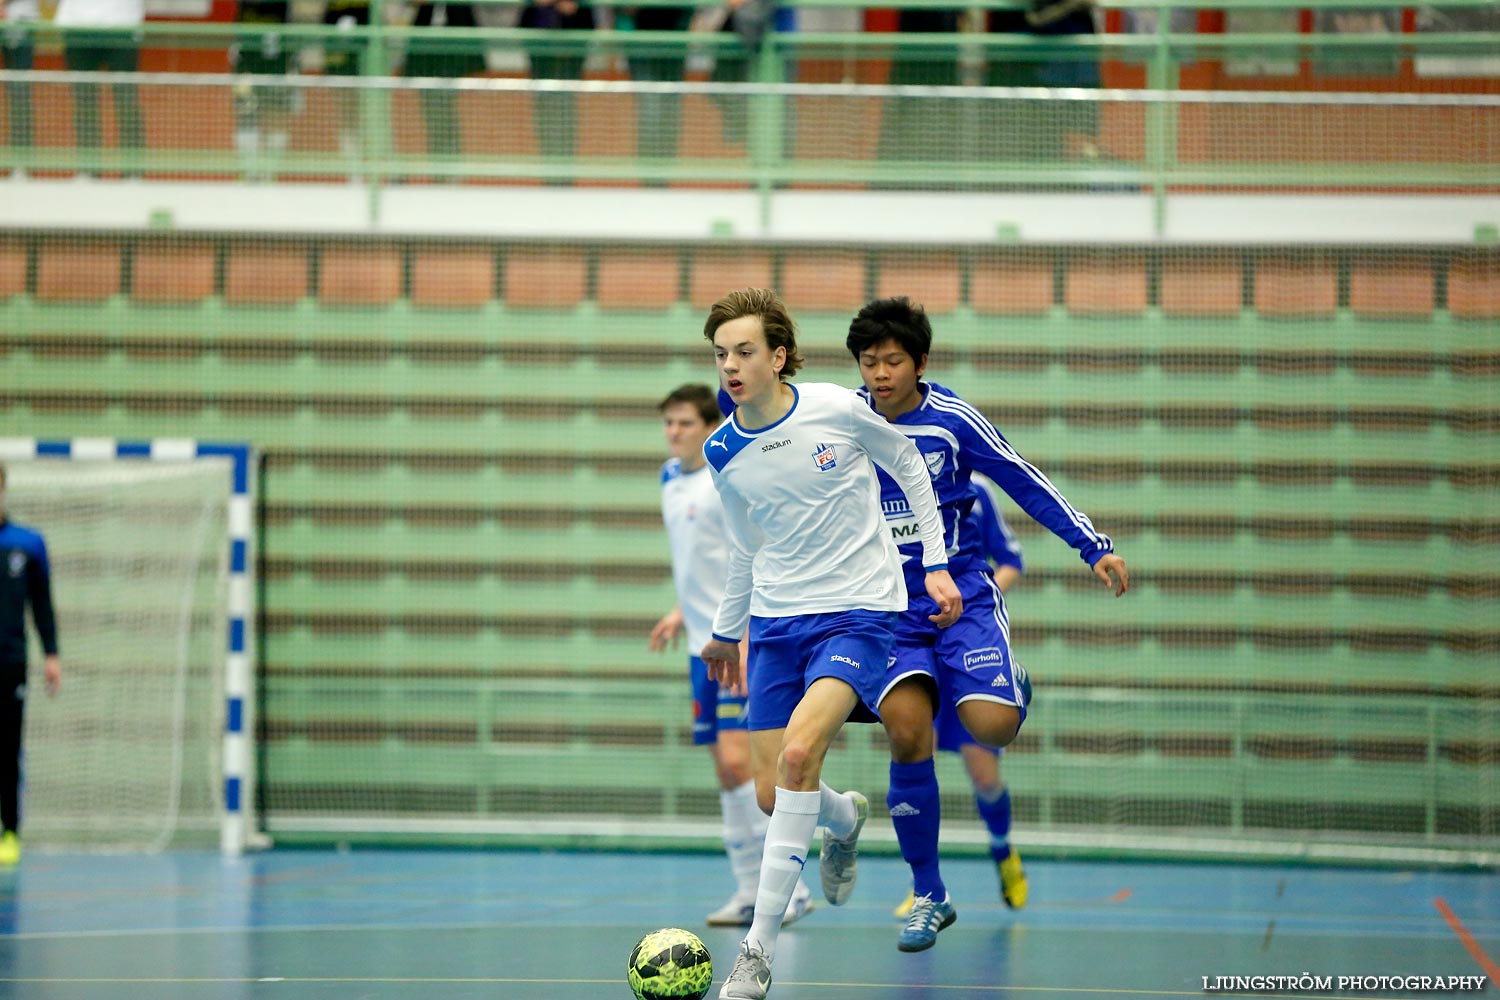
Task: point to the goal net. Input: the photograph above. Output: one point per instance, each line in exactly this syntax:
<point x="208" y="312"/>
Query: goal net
<point x="129" y="756"/>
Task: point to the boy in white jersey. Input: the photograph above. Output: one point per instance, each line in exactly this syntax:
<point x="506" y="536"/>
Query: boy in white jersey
<point x="814" y="575"/>
<point x="700" y="556"/>
<point x="969" y="665"/>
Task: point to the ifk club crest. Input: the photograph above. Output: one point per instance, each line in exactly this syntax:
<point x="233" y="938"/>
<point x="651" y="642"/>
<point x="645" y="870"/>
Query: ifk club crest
<point x="824" y="457"/>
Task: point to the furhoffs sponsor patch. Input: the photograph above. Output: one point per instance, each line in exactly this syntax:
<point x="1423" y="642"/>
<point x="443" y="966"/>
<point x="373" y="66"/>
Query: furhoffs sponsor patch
<point x="987" y="656"/>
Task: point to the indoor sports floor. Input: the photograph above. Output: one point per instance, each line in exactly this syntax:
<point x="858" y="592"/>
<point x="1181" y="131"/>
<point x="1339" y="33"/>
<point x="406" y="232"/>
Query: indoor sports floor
<point x="442" y="925"/>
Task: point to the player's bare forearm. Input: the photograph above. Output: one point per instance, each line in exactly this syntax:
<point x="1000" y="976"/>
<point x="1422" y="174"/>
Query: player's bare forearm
<point x="667" y="631"/>
<point x="1111" y="569"/>
<point x="944" y="592"/>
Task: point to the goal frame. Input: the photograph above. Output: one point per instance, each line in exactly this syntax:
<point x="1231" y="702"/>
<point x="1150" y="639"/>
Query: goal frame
<point x="236" y="788"/>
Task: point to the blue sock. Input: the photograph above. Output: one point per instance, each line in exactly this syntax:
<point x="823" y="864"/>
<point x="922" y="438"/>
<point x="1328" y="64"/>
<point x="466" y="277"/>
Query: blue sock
<point x="996" y="815"/>
<point x="916" y="813"/>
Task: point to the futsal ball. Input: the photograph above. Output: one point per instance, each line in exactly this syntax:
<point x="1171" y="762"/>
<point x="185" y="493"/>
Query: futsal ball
<point x="670" y="964"/>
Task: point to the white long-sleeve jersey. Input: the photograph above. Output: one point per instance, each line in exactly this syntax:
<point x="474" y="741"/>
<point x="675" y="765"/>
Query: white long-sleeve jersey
<point x="802" y="503"/>
<point x="694" y="517"/>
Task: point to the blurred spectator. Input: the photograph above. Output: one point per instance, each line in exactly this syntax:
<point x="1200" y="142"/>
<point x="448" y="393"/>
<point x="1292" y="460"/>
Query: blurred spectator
<point x="930" y="69"/>
<point x="658" y="116"/>
<point x="262" y="112"/>
<point x="1255" y="62"/>
<point x="18" y="51"/>
<point x="911" y="125"/>
<point x="1048" y="130"/>
<point x="115" y="51"/>
<point x="341" y="57"/>
<point x="337" y="57"/>
<point x="1457" y="19"/>
<point x="555" y="113"/>
<point x="1180" y="21"/>
<point x="1374" y="61"/>
<point x="752" y="20"/>
<point x="443" y="58"/>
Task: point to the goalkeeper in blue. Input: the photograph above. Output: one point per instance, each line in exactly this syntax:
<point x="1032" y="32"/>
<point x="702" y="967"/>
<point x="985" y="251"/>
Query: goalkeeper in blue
<point x="968" y="665"/>
<point x="816" y="579"/>
<point x="991" y="794"/>
<point x="694" y="519"/>
<point x="25" y="582"/>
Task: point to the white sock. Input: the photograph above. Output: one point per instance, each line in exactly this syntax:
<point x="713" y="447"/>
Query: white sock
<point x="787" y="839"/>
<point x="836" y="811"/>
<point x="744" y="837"/>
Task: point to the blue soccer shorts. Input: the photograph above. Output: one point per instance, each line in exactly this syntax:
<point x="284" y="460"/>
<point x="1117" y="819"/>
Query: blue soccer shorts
<point x="714" y="708"/>
<point x="791" y="653"/>
<point x="968" y="660"/>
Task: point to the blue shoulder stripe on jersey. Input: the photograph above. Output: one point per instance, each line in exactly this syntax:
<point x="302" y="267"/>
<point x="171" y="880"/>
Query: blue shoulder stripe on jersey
<point x="670" y="470"/>
<point x="726" y="403"/>
<point x="723" y="444"/>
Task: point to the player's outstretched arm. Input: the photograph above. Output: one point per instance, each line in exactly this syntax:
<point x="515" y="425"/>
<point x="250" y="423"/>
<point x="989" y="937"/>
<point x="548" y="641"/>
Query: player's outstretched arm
<point x="668" y="631"/>
<point x="1113" y="564"/>
<point x="942" y="589"/>
<point x="723" y="662"/>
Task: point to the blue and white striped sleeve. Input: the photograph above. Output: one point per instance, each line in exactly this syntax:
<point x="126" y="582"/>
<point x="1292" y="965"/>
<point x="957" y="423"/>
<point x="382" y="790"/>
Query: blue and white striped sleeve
<point x="986" y="450"/>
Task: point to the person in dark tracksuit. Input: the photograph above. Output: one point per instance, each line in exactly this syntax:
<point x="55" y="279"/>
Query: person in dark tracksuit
<point x="24" y="580"/>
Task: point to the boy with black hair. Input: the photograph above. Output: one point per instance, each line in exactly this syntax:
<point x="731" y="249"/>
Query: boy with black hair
<point x="969" y="664"/>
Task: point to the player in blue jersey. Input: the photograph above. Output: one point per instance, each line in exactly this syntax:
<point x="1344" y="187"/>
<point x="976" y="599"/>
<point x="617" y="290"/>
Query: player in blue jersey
<point x="25" y="580"/>
<point x="694" y="519"/>
<point x="991" y="796"/>
<point x="815" y="577"/>
<point x="970" y="664"/>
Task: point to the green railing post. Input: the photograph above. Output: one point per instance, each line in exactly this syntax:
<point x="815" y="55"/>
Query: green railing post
<point x="1161" y="120"/>
<point x="767" y="123"/>
<point x="375" y="108"/>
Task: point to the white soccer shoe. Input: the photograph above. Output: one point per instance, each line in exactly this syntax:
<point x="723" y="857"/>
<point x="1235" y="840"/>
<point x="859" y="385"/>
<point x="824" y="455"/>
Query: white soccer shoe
<point x="839" y="863"/>
<point x="738" y="912"/>
<point x="750" y="979"/>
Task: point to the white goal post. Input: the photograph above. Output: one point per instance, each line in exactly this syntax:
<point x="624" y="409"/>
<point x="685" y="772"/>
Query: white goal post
<point x="151" y="544"/>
